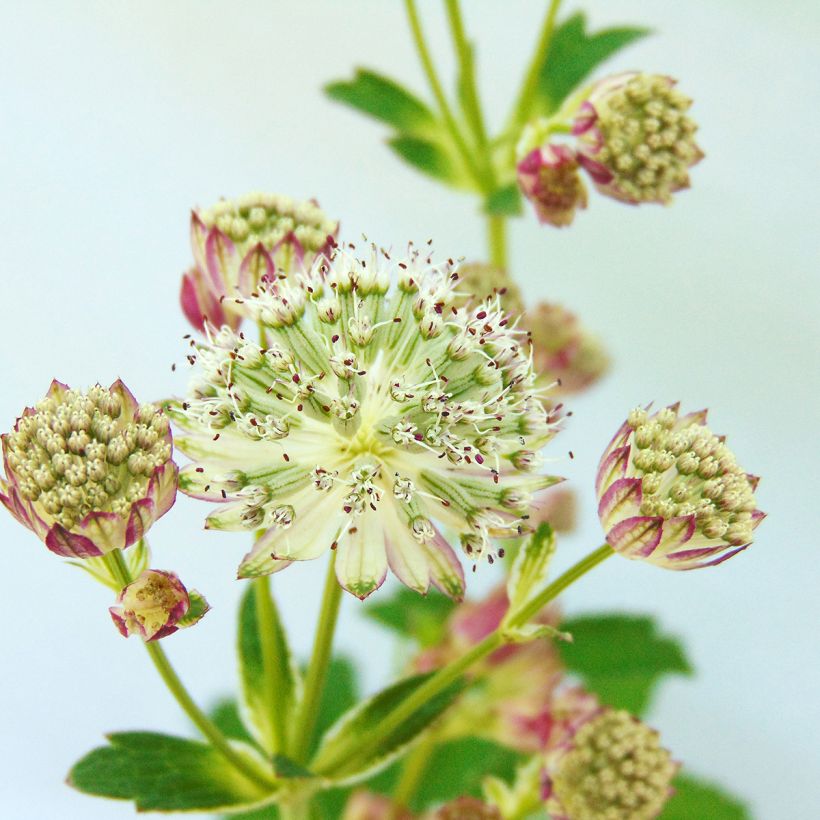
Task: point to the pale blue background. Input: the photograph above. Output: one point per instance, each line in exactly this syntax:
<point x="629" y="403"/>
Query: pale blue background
<point x="118" y="117"/>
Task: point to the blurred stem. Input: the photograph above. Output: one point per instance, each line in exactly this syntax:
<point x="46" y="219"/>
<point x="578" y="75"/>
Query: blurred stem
<point x="497" y="241"/>
<point x="441" y="100"/>
<point x="317" y="669"/>
<point x="448" y="674"/>
<point x="269" y="625"/>
<point x="528" y="90"/>
<point x="119" y="569"/>
<point x="413" y="769"/>
<point x="469" y="88"/>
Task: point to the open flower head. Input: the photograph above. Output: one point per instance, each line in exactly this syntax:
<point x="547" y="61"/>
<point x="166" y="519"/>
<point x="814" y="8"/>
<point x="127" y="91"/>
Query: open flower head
<point x="156" y="604"/>
<point x="88" y="472"/>
<point x="238" y="243"/>
<point x="672" y="493"/>
<point x="637" y="141"/>
<point x="548" y="176"/>
<point x="613" y="767"/>
<point x="372" y="417"/>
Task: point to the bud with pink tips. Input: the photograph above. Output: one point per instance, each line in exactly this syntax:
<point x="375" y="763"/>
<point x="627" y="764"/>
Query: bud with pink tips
<point x="670" y="492"/>
<point x="548" y="176"/>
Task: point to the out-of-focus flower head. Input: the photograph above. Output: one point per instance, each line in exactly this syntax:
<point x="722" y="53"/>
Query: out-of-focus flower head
<point x="558" y="507"/>
<point x="478" y="281"/>
<point x="465" y="808"/>
<point x="239" y="243"/>
<point x="364" y="805"/>
<point x="670" y="492"/>
<point x="612" y="766"/>
<point x="548" y="176"/>
<point x="156" y="604"/>
<point x="89" y="472"/>
<point x="517" y="681"/>
<point x="637" y="141"/>
<point x="564" y="352"/>
<point x="370" y="414"/>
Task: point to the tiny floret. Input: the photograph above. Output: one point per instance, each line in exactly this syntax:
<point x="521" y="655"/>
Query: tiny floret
<point x="371" y="418"/>
<point x="156" y="604"/>
<point x="672" y="493"/>
<point x="614" y="767"/>
<point x="239" y="243"/>
<point x="637" y="141"/>
<point x="89" y="472"/>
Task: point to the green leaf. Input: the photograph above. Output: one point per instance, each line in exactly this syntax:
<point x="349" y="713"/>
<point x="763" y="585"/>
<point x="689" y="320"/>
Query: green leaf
<point x="345" y="754"/>
<point x="621" y="657"/>
<point x="529" y="570"/>
<point x="385" y="100"/>
<point x="163" y="773"/>
<point x="428" y="157"/>
<point x="252" y="676"/>
<point x="456" y="768"/>
<point x="340" y="693"/>
<point x="574" y="53"/>
<point x="225" y="715"/>
<point x="697" y="798"/>
<point x="421" y="618"/>
<point x="504" y="201"/>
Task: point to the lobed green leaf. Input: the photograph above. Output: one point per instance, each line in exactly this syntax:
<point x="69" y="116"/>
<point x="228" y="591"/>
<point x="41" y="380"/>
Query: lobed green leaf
<point x="621" y="658"/>
<point x="163" y="773"/>
<point x="697" y="798"/>
<point x="574" y="54"/>
<point x="419" y="618"/>
<point x="428" y="157"/>
<point x="505" y="201"/>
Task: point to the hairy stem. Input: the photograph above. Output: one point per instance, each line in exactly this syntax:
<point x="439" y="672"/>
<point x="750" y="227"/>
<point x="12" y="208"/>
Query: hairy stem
<point x="119" y="570"/>
<point x="268" y="625"/>
<point x="317" y="669"/>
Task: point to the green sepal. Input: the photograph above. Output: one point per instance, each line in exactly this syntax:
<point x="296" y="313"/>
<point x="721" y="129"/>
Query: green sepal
<point x="533" y="632"/>
<point x="621" y="658"/>
<point x="385" y="100"/>
<point x="254" y="703"/>
<point x="529" y="570"/>
<point x="505" y="201"/>
<point x="344" y="755"/>
<point x="422" y="619"/>
<point x="697" y="798"/>
<point x="197" y="608"/>
<point x="163" y="773"/>
<point x="573" y="54"/>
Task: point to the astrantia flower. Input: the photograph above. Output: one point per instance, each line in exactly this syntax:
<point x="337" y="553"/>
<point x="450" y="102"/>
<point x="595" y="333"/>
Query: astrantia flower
<point x="371" y="417"/>
<point x="155" y="605"/>
<point x="479" y="281"/>
<point x="90" y="472"/>
<point x="549" y="178"/>
<point x="671" y="492"/>
<point x="637" y="141"/>
<point x="563" y="350"/>
<point x="614" y="767"/>
<point x="239" y="243"/>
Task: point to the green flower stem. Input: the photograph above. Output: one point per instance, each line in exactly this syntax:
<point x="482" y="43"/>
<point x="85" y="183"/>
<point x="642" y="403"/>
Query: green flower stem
<point x="450" y="673"/>
<point x="441" y="100"/>
<point x="117" y="566"/>
<point x="525" y="99"/>
<point x="413" y="769"/>
<point x="497" y="241"/>
<point x="268" y="625"/>
<point x="317" y="669"/>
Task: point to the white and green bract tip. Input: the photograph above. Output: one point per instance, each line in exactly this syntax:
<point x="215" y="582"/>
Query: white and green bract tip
<point x="371" y="420"/>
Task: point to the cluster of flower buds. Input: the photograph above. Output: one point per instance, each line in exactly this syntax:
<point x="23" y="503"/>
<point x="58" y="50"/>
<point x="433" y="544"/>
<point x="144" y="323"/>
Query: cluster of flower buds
<point x="479" y="281"/>
<point x="156" y="604"/>
<point x="672" y="493"/>
<point x="635" y="140"/>
<point x="89" y="472"/>
<point x="372" y="415"/>
<point x="239" y="243"/>
<point x="611" y="766"/>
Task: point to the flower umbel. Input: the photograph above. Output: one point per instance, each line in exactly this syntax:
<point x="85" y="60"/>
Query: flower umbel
<point x="671" y="492"/>
<point x="89" y="472"/>
<point x="637" y="141"/>
<point x="155" y="605"/>
<point x="549" y="178"/>
<point x="614" y="767"/>
<point x="238" y="243"/>
<point x="370" y="414"/>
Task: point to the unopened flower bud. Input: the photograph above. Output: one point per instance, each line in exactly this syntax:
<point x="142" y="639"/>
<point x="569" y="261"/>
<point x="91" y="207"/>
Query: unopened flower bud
<point x="549" y="178"/>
